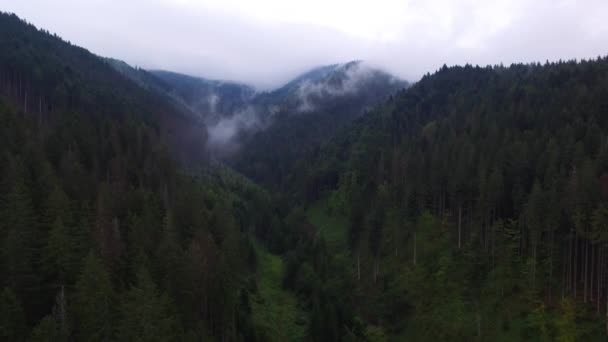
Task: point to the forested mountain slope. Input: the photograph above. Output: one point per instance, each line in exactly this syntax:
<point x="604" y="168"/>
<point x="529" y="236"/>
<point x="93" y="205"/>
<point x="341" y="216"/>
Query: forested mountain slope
<point x="103" y="234"/>
<point x="476" y="206"/>
<point x="154" y="85"/>
<point x="43" y="74"/>
<point x="307" y="112"/>
<point x="472" y="205"/>
<point x="212" y="99"/>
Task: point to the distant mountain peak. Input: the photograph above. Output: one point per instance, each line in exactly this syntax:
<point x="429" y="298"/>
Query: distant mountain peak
<point x="229" y="108"/>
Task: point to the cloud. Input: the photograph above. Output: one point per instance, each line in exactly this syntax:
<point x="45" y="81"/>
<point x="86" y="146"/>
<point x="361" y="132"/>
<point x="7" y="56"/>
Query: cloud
<point x="351" y="79"/>
<point x="226" y="128"/>
<point x="266" y="42"/>
<point x="213" y="99"/>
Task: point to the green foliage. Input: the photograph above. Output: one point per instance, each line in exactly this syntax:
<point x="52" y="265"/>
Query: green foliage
<point x="12" y="317"/>
<point x="479" y="199"/>
<point x="94" y="302"/>
<point x="93" y="163"/>
<point x="539" y="321"/>
<point x="60" y="262"/>
<point x="374" y="333"/>
<point x="276" y="313"/>
<point x="146" y="314"/>
<point x="46" y="331"/>
<point x="462" y="208"/>
<point x="567" y="329"/>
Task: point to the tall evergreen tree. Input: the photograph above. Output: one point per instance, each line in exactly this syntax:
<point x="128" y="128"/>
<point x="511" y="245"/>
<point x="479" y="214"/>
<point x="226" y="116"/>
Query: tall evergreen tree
<point x="12" y="318"/>
<point x="94" y="302"/>
<point x="147" y="314"/>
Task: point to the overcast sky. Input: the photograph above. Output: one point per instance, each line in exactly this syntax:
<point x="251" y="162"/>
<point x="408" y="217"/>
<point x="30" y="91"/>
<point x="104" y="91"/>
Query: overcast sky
<point x="265" y="42"/>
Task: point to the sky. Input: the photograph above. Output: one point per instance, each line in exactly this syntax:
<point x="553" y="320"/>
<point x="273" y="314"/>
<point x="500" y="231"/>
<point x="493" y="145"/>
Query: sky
<point x="266" y="42"/>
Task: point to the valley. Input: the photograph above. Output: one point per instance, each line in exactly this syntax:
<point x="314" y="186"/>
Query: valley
<point x="346" y="204"/>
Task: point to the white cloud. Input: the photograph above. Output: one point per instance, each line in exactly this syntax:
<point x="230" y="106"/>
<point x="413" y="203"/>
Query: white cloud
<point x="227" y="128"/>
<point x="265" y="42"/>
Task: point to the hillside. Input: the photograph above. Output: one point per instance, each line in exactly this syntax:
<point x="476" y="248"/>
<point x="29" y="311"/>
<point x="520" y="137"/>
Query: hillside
<point x="43" y="75"/>
<point x="296" y="117"/>
<point x="305" y="113"/>
<point x="212" y="99"/>
<point x="475" y="205"/>
<point x="113" y="225"/>
<point x="345" y="205"/>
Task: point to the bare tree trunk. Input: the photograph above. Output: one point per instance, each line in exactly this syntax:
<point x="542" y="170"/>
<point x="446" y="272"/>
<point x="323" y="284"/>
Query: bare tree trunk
<point x="534" y="264"/>
<point x="551" y="244"/>
<point x="459" y="225"/>
<point x="600" y="273"/>
<point x="376" y="266"/>
<point x="586" y="272"/>
<point x="358" y="265"/>
<point x="62" y="312"/>
<point x="478" y="317"/>
<point x="492" y="237"/>
<point x="599" y="278"/>
<point x="575" y="273"/>
<point x="481" y="230"/>
<point x="591" y="274"/>
<point x="570" y="264"/>
<point x="414" y="248"/>
<point x="564" y="273"/>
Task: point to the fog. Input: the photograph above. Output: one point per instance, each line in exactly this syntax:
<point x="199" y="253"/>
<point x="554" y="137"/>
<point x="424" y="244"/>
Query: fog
<point x="266" y="42"/>
<point x="224" y="130"/>
<point x="354" y="76"/>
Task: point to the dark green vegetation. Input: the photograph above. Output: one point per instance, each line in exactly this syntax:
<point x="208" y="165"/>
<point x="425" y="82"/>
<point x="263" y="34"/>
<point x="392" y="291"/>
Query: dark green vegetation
<point x="306" y="112"/>
<point x="211" y="98"/>
<point x="470" y="206"/>
<point x="476" y="206"/>
<point x="103" y="235"/>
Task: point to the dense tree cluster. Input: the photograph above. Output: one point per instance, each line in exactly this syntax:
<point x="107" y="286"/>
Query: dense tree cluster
<point x="103" y="235"/>
<point x="477" y="203"/>
<point x="44" y="75"/>
<point x="306" y="113"/>
<point x="470" y="206"/>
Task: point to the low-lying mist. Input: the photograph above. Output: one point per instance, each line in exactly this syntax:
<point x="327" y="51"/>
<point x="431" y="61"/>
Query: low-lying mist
<point x="306" y="96"/>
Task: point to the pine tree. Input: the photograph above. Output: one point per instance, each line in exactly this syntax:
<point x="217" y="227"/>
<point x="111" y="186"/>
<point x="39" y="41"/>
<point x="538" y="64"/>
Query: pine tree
<point x="169" y="254"/>
<point x="21" y="246"/>
<point x="94" y="302"/>
<point x="12" y="317"/>
<point x="58" y="259"/>
<point x="567" y="330"/>
<point x="107" y="231"/>
<point x="46" y="331"/>
<point x="535" y="220"/>
<point x="146" y="314"/>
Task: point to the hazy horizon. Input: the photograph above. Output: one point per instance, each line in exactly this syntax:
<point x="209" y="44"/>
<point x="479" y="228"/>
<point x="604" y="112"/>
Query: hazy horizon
<point x="267" y="43"/>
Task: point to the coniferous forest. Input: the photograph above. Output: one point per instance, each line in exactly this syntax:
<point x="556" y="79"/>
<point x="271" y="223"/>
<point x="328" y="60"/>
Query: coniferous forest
<point x="471" y="205"/>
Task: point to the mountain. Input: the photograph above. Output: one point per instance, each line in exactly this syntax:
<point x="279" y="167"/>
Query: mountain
<point x="243" y="124"/>
<point x="313" y="75"/>
<point x="155" y="85"/>
<point x="113" y="223"/>
<point x="212" y="99"/>
<point x="305" y="113"/>
<point x="320" y="88"/>
<point x="44" y="74"/>
<point x="473" y="205"/>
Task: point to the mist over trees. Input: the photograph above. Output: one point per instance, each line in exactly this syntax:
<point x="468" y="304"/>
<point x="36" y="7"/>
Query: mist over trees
<point x="472" y="205"/>
<point x="476" y="199"/>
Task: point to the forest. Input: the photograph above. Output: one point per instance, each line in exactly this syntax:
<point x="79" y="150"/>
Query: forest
<point x="471" y="205"/>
